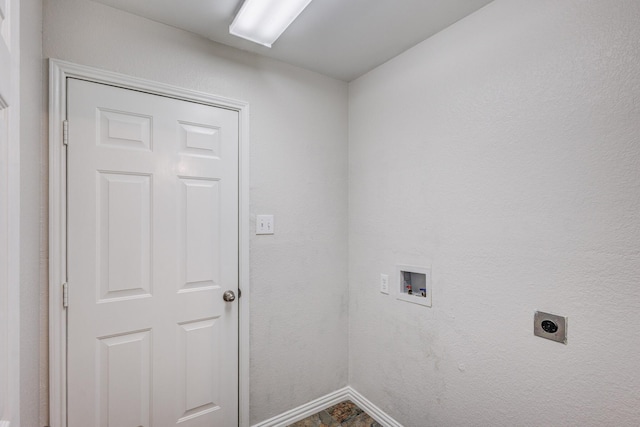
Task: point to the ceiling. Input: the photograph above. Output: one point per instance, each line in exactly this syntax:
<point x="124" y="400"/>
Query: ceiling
<point x="339" y="38"/>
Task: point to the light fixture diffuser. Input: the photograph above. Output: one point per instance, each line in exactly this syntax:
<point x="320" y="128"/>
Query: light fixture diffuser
<point x="263" y="21"/>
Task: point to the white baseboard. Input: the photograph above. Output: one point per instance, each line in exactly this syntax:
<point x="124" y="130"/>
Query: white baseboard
<point x="326" y="401"/>
<point x="376" y="413"/>
<point x="303" y="411"/>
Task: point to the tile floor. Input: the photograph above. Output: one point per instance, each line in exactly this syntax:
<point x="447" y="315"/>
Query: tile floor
<point x="344" y="414"/>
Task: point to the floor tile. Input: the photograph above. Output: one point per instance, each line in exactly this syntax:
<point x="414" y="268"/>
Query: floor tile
<point x="328" y="419"/>
<point x="321" y="419"/>
<point x="362" y="420"/>
<point x="344" y="414"/>
<point x="343" y="411"/>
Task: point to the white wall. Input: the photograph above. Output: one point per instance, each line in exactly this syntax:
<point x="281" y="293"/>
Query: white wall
<point x="9" y="213"/>
<point x="33" y="228"/>
<point x="298" y="173"/>
<point x="504" y="152"/>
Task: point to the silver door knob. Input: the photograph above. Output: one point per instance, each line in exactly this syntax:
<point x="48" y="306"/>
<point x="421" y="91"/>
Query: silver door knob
<point x="229" y="296"/>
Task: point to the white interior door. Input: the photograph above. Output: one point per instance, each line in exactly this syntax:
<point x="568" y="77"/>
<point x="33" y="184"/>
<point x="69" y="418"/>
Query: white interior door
<point x="152" y="246"/>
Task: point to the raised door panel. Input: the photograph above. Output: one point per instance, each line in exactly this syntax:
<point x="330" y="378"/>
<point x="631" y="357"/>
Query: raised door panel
<point x="124" y="130"/>
<point x="124" y="380"/>
<point x="199" y="140"/>
<point x="124" y="235"/>
<point x="199" y="370"/>
<point x="200" y="220"/>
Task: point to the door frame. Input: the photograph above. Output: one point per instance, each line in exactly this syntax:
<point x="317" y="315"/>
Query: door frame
<point x="10" y="213"/>
<point x="59" y="72"/>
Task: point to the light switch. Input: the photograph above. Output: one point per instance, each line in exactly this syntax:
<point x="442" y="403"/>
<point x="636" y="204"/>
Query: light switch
<point x="384" y="283"/>
<point x="264" y="224"/>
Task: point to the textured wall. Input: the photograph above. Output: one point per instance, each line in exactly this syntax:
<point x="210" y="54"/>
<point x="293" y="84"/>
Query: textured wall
<point x="505" y="153"/>
<point x="298" y="173"/>
<point x="33" y="205"/>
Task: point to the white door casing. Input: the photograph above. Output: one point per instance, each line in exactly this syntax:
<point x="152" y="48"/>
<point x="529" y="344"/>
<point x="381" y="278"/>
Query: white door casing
<point x="9" y="213"/>
<point x="144" y="197"/>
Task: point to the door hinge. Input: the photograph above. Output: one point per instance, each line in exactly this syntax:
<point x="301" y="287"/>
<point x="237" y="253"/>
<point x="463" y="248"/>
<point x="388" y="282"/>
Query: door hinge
<point x="65" y="132"/>
<point x="65" y="295"/>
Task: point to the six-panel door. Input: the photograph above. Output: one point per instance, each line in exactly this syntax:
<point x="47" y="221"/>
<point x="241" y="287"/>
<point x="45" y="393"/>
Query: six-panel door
<point x="152" y="246"/>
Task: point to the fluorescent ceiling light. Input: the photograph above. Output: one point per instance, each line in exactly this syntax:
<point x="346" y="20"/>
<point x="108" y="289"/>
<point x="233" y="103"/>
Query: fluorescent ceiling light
<point x="263" y="21"/>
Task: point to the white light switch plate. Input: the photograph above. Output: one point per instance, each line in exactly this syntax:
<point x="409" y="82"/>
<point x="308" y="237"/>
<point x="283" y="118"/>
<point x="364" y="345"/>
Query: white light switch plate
<point x="264" y="224"/>
<point x="384" y="284"/>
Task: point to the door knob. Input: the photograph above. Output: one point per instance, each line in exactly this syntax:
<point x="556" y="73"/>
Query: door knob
<point x="229" y="296"/>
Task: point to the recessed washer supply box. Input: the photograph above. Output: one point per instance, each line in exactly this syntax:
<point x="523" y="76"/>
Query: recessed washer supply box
<point x="413" y="284"/>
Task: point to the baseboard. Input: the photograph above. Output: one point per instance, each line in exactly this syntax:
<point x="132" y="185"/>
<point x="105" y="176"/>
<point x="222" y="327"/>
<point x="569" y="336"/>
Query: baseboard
<point x="303" y="411"/>
<point x="376" y="413"/>
<point x="324" y="402"/>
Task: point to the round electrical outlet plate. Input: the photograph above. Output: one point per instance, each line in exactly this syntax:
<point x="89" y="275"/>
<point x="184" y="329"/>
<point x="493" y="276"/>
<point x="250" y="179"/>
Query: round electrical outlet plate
<point x="550" y="326"/>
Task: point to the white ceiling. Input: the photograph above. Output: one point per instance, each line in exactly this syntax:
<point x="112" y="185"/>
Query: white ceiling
<point x="340" y="38"/>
